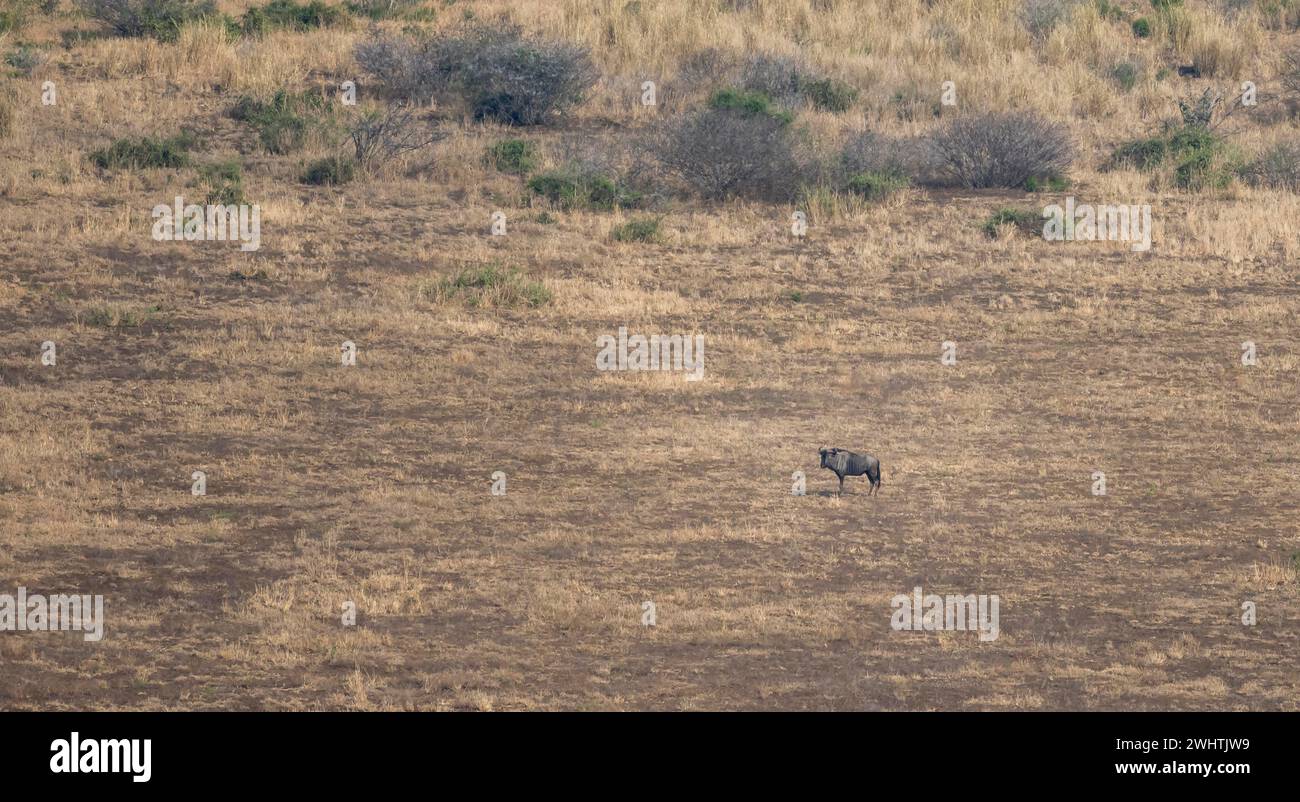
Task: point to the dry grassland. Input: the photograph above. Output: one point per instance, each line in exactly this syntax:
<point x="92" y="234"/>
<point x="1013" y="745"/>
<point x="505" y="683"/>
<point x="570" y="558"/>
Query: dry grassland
<point x="371" y="483"/>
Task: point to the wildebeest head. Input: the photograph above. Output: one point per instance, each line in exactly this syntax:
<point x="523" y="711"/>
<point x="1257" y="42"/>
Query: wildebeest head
<point x="826" y="455"/>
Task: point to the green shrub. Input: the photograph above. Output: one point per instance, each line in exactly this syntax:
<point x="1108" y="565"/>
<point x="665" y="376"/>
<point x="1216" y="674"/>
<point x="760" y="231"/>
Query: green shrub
<point x="284" y="132"/>
<point x="642" y="230"/>
<point x="1126" y="75"/>
<point x="410" y="10"/>
<point x="876" y="186"/>
<point x="829" y="94"/>
<point x="145" y="152"/>
<point x="913" y="104"/>
<point x="492" y="284"/>
<point x="753" y="104"/>
<point x="1051" y="183"/>
<point x="1109" y="10"/>
<point x="289" y="15"/>
<point x="1142" y="27"/>
<point x="517" y="156"/>
<point x="1205" y="168"/>
<point x="330" y="171"/>
<point x="113" y="316"/>
<point x="1144" y="154"/>
<point x="225" y="183"/>
<point x="1197" y="156"/>
<point x="25" y="58"/>
<point x="574" y="189"/>
<point x="785" y="80"/>
<point x="284" y="122"/>
<point x="1194" y="150"/>
<point x="1027" y="222"/>
<point x="160" y="19"/>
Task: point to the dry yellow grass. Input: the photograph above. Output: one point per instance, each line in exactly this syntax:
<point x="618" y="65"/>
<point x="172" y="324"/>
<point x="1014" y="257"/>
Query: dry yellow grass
<point x="371" y="484"/>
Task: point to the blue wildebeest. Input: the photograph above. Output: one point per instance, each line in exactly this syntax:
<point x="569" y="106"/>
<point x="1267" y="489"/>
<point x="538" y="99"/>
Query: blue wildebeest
<point x="846" y="463"/>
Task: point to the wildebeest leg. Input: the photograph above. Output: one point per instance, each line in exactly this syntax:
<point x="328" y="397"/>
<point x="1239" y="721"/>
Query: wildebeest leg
<point x="841" y="485"/>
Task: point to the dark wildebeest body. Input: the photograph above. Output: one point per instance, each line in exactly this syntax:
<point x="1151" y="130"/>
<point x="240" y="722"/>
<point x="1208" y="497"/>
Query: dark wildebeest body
<point x="846" y="463"/>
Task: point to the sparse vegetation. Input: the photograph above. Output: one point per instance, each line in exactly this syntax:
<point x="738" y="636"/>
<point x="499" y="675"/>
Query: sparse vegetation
<point x="120" y="316"/>
<point x="490" y="285"/>
<point x="1192" y="153"/>
<point x="224" y="182"/>
<point x="752" y="104"/>
<point x="330" y="171"/>
<point x="575" y="188"/>
<point x="1047" y="184"/>
<point x="293" y="16"/>
<point x="25" y="58"/>
<point x="830" y="94"/>
<point x="1126" y="75"/>
<point x="876" y="186"/>
<point x="410" y="10"/>
<point x="7" y="115"/>
<point x="1280" y="15"/>
<point x="145" y="153"/>
<point x="331" y="481"/>
<point x="14" y="15"/>
<point x="160" y="19"/>
<point x="1021" y="220"/>
<point x="285" y="122"/>
<point x="644" y="229"/>
<point x="788" y="81"/>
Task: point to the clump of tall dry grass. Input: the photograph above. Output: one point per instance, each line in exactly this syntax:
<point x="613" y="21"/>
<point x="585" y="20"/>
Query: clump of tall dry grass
<point x="8" y="114"/>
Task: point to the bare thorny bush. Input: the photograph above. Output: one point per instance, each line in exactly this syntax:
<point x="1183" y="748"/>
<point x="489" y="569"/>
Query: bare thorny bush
<point x="498" y="73"/>
<point x="380" y="136"/>
<point x="722" y="153"/>
<point x="1000" y="150"/>
<point x="1276" y="168"/>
